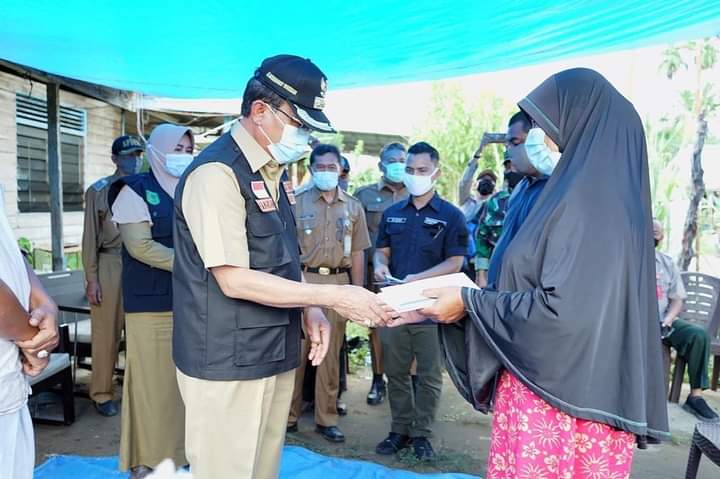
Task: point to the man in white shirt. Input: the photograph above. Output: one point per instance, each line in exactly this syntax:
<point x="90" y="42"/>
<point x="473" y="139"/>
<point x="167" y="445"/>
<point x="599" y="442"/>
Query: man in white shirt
<point x="20" y="291"/>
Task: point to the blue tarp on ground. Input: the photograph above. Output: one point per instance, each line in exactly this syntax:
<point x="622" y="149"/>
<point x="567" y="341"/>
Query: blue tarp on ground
<point x="207" y="49"/>
<point x="297" y="463"/>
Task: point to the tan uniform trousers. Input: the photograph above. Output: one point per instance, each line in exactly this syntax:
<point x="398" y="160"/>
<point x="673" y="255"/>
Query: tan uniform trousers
<point x="235" y="429"/>
<point x="107" y="322"/>
<point x="327" y="381"/>
<point x="152" y="424"/>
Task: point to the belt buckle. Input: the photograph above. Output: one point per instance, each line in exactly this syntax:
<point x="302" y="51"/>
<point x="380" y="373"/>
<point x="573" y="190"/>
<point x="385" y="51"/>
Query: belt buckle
<point x="324" y="271"/>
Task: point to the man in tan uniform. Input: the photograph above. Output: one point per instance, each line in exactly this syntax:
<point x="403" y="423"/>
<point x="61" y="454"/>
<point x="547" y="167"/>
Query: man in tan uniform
<point x="101" y="248"/>
<point x="333" y="236"/>
<point x="376" y="198"/>
<point x="238" y="292"/>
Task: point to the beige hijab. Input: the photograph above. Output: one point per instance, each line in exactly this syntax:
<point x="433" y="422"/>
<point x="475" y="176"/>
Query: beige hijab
<point x="163" y="140"/>
<point x="129" y="207"/>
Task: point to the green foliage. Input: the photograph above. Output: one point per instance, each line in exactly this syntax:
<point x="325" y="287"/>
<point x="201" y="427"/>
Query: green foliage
<point x="366" y="177"/>
<point x="664" y="141"/>
<point x="455" y="125"/>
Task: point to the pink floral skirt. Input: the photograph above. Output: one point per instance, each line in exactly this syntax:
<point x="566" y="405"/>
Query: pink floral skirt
<point x="533" y="440"/>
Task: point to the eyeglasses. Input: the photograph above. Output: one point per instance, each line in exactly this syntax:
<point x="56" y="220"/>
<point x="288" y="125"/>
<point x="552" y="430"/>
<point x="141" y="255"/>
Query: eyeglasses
<point x="294" y="121"/>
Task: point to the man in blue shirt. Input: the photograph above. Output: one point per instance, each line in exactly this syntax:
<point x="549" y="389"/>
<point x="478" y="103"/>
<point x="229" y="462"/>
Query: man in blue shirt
<point x="418" y="238"/>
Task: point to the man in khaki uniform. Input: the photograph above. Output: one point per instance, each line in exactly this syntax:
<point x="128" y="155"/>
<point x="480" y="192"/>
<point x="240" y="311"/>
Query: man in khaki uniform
<point x="238" y="297"/>
<point x="101" y="248"/>
<point x="333" y="237"/>
<point x="376" y="198"/>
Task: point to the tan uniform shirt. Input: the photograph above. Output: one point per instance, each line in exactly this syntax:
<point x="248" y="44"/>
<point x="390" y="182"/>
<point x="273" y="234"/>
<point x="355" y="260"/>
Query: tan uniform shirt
<point x="214" y="207"/>
<point x="99" y="232"/>
<point x="330" y="232"/>
<point x="376" y="198"/>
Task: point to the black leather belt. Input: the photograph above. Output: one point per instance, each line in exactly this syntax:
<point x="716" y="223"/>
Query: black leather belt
<point x="325" y="271"/>
<point x="110" y="250"/>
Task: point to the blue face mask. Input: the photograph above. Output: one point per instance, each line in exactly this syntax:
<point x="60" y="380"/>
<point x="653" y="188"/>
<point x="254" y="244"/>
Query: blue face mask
<point x="130" y="165"/>
<point x="395" y="172"/>
<point x="326" y="180"/>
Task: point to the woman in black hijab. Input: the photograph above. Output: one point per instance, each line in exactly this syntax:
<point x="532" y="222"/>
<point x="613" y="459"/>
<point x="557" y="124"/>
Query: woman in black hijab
<point x="566" y="349"/>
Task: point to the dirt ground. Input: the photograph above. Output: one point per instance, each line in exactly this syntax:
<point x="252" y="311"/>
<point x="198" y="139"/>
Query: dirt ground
<point x="462" y="436"/>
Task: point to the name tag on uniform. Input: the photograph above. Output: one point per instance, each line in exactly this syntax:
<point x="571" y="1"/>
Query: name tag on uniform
<point x="434" y="222"/>
<point x="259" y="190"/>
<point x="289" y="191"/>
<point x="393" y="219"/>
<point x="266" y="205"/>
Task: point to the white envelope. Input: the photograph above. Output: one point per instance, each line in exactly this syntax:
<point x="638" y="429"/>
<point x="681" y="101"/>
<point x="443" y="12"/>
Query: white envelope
<point x="408" y="297"/>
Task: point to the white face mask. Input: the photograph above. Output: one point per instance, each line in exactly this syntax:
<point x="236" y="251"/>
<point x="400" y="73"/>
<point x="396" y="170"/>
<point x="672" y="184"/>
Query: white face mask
<point x="177" y="163"/>
<point x="540" y="156"/>
<point x="326" y="180"/>
<point x="419" y="185"/>
<point x="293" y="143"/>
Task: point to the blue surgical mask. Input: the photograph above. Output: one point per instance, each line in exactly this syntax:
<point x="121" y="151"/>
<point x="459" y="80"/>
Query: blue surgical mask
<point x="130" y="165"/>
<point x="540" y="156"/>
<point x="395" y="172"/>
<point x="326" y="180"/>
<point x="177" y="163"/>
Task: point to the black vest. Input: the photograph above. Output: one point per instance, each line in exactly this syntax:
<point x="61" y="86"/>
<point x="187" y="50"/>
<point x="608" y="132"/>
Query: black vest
<point x="219" y="338"/>
<point x="147" y="289"/>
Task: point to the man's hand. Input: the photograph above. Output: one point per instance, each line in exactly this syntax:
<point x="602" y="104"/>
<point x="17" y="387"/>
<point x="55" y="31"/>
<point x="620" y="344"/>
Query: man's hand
<point x="411" y="317"/>
<point x="381" y="271"/>
<point x="449" y="307"/>
<point x="667" y="322"/>
<point x="412" y="277"/>
<point x="32" y="365"/>
<point x="94" y="293"/>
<point x="45" y="319"/>
<point x="360" y="306"/>
<point x="317" y="331"/>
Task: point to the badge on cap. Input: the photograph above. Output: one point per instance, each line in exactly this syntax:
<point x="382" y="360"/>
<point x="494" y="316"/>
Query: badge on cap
<point x="266" y="205"/>
<point x="259" y="189"/>
<point x="289" y="191"/>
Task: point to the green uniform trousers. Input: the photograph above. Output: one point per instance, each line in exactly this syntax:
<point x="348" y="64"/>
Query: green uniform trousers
<point x="692" y="343"/>
<point x="412" y="414"/>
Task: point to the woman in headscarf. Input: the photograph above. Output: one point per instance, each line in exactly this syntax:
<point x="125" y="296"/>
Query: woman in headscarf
<point x="153" y="415"/>
<point x="566" y="346"/>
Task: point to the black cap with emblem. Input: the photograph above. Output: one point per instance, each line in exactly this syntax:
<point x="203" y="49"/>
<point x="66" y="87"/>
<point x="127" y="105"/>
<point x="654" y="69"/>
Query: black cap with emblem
<point x="126" y="144"/>
<point x="302" y="84"/>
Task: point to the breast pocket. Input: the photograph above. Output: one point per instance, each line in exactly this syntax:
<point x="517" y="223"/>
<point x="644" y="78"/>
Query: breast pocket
<point x="265" y="240"/>
<point x="397" y="233"/>
<point x="432" y="238"/>
<point x="307" y="233"/>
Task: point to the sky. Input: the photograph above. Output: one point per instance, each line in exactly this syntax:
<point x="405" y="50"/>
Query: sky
<point x="635" y="73"/>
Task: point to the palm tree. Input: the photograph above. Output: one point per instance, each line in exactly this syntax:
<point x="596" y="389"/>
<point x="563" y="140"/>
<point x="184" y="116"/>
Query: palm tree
<point x="700" y="104"/>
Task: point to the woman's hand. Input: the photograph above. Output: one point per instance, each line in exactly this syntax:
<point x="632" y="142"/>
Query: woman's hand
<point x="449" y="306"/>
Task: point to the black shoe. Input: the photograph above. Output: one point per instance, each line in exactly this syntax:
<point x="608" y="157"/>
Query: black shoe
<point x="139" y="472"/>
<point x="292" y="427"/>
<point x="341" y="408"/>
<point x="331" y="433"/>
<point x="392" y="444"/>
<point x="697" y="406"/>
<point x="377" y="390"/>
<point x="107" y="408"/>
<point x="423" y="449"/>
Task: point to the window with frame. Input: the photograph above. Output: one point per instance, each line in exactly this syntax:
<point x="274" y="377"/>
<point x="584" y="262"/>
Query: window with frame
<point x="32" y="156"/>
